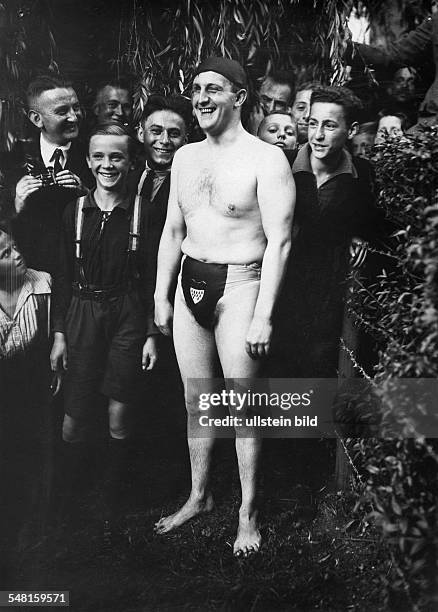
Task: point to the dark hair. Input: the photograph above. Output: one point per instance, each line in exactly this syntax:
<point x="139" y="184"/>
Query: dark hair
<point x="283" y="77"/>
<point x="175" y="103"/>
<point x="119" y="83"/>
<point x="305" y="85"/>
<point x="370" y="127"/>
<point x="44" y="83"/>
<point x="388" y="112"/>
<point x="114" y="128"/>
<point x="339" y="95"/>
<point x="410" y="68"/>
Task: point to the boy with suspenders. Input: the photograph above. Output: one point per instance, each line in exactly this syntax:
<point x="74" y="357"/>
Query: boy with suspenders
<point x="103" y="325"/>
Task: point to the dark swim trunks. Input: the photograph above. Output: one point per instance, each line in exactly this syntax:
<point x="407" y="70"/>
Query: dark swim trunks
<point x="204" y="284"/>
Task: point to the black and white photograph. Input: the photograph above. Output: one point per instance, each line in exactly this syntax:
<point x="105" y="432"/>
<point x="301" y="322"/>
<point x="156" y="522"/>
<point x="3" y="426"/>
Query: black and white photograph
<point x="219" y="305"/>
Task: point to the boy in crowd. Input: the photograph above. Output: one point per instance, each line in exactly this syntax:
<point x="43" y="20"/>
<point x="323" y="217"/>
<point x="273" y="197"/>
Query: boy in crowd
<point x="163" y="129"/>
<point x="335" y="217"/>
<point x="24" y="384"/>
<point x="52" y="172"/>
<point x="301" y="109"/>
<point x="390" y="123"/>
<point x="363" y="140"/>
<point x="280" y="129"/>
<point x="103" y="294"/>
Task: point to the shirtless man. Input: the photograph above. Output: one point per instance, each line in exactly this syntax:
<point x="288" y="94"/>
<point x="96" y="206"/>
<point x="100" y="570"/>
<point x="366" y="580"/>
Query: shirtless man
<point x="229" y="215"/>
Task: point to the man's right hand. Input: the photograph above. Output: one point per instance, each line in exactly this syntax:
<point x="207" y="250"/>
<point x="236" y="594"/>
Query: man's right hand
<point x="25" y="187"/>
<point x="164" y="316"/>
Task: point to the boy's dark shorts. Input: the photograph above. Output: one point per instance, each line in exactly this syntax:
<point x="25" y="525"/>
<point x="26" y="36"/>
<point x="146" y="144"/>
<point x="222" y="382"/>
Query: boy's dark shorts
<point x="104" y="344"/>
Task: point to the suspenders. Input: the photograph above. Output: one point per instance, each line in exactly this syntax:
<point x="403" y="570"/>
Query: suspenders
<point x="134" y="229"/>
<point x="79" y="221"/>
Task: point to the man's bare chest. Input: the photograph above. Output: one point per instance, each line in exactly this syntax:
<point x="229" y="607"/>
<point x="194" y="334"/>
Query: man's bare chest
<point x="230" y="186"/>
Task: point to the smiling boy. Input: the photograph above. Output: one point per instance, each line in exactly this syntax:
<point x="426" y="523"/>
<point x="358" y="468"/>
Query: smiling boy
<point x="103" y="335"/>
<point x="335" y="217"/>
<point x="24" y="406"/>
<point x="163" y="130"/>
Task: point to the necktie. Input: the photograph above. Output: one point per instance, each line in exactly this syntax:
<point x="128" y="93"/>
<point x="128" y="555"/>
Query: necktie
<point x="148" y="185"/>
<point x="56" y="159"/>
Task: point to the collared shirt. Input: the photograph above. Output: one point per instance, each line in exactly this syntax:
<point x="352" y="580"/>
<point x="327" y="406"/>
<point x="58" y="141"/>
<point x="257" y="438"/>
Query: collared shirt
<point x="48" y="148"/>
<point x="104" y="251"/>
<point x="159" y="178"/>
<point x="31" y="316"/>
<point x="341" y="207"/>
<point x="302" y="163"/>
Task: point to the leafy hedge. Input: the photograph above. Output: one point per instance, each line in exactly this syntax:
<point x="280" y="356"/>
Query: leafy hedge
<point x="399" y="309"/>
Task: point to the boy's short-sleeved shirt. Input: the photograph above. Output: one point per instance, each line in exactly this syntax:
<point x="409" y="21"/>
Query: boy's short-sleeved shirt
<point x="31" y="318"/>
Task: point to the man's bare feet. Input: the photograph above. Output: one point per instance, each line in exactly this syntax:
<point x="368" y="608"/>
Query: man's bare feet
<point x="191" y="508"/>
<point x="248" y="538"/>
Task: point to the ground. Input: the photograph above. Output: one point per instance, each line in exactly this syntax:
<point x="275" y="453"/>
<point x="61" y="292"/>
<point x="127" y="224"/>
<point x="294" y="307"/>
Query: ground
<point x="312" y="557"/>
<point x="309" y="560"/>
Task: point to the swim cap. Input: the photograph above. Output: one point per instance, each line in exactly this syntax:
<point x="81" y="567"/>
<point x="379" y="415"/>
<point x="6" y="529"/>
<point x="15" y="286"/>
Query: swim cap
<point x="228" y="68"/>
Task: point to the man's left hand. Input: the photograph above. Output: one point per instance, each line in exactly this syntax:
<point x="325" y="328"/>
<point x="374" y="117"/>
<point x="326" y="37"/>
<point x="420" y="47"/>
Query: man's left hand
<point x="358" y="252"/>
<point x="68" y="179"/>
<point x="258" y="338"/>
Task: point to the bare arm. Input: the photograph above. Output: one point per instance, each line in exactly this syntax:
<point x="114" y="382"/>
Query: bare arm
<point x="169" y="255"/>
<point x="276" y="198"/>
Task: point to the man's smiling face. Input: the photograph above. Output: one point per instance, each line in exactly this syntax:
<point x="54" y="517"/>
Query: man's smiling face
<point x="57" y="113"/>
<point x="214" y="101"/>
<point x="162" y="133"/>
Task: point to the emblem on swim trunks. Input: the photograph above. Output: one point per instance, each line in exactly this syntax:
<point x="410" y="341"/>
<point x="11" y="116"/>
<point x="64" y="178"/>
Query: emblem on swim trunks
<point x="196" y="294"/>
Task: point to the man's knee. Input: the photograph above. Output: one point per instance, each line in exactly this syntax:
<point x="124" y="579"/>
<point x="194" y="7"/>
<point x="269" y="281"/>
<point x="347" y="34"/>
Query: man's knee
<point x="192" y="400"/>
<point x="200" y="399"/>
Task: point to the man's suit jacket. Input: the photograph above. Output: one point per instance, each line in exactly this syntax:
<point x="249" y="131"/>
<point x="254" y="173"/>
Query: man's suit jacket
<point x="156" y="217"/>
<point x="37" y="227"/>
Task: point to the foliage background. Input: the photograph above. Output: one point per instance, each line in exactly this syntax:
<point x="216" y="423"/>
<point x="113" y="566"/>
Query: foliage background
<point x="398" y="488"/>
<point x="159" y="43"/>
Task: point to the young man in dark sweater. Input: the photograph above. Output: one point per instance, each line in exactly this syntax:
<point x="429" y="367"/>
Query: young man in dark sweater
<point x="335" y="217"/>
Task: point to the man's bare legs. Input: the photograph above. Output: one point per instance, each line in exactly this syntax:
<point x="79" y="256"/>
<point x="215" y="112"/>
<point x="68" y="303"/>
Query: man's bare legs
<point x="197" y="358"/>
<point x="237" y="364"/>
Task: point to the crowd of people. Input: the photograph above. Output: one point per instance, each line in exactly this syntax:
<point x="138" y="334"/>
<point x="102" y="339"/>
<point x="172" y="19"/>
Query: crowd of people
<point x="234" y="239"/>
